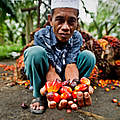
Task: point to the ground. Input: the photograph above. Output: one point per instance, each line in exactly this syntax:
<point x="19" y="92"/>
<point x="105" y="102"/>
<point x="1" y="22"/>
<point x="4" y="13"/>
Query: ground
<point x="11" y="99"/>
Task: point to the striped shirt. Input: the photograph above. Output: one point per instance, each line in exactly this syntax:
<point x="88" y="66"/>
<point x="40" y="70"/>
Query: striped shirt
<point x="59" y="54"/>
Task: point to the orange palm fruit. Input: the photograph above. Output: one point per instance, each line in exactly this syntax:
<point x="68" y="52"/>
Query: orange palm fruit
<point x="53" y="86"/>
<point x="65" y="89"/>
<point x="74" y="94"/>
<point x="81" y="87"/>
<point x="66" y="96"/>
<point x="52" y="96"/>
<point x="57" y="97"/>
<point x="85" y="80"/>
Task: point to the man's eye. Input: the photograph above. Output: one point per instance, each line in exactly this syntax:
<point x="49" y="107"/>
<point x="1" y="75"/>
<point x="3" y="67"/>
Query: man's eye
<point x="71" y="21"/>
<point x="60" y="20"/>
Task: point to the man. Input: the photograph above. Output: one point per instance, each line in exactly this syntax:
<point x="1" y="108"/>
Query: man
<point x="56" y="54"/>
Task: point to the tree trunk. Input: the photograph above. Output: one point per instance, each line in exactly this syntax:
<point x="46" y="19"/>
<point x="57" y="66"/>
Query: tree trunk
<point x="38" y="10"/>
<point x="1" y="32"/>
<point x="29" y="27"/>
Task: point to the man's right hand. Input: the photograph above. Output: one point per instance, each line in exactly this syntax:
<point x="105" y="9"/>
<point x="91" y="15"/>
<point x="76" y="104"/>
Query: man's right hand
<point x="52" y="75"/>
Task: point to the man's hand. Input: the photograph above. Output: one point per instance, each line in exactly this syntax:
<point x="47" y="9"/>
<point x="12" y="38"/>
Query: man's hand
<point x="52" y="75"/>
<point x="71" y="72"/>
<point x="84" y="99"/>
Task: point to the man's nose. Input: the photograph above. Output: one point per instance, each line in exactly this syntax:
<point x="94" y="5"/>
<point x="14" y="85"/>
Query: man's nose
<point x="65" y="27"/>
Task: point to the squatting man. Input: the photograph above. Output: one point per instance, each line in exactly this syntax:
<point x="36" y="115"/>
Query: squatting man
<point x="56" y="55"/>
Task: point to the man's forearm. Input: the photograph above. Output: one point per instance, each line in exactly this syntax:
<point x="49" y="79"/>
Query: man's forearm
<point x="71" y="72"/>
<point x="52" y="75"/>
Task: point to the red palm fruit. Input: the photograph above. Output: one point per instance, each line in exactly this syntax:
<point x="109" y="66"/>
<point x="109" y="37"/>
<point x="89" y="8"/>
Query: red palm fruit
<point x="69" y="110"/>
<point x="65" y="89"/>
<point x="114" y="100"/>
<point x="81" y="87"/>
<point x="74" y="106"/>
<point x="117" y="62"/>
<point x="57" y="84"/>
<point x="118" y="103"/>
<point x="66" y="96"/>
<point x="70" y="103"/>
<point x="49" y="86"/>
<point x="69" y="96"/>
<point x="65" y="83"/>
<point x="85" y="80"/>
<point x="53" y="86"/>
<point x="73" y="84"/>
<point x="75" y="100"/>
<point x="57" y="97"/>
<point x="74" y="94"/>
<point x="50" y="96"/>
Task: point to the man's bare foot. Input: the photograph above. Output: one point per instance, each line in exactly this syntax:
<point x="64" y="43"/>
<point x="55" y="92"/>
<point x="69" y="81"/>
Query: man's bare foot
<point x="36" y="106"/>
<point x="88" y="100"/>
<point x="62" y="104"/>
<point x="52" y="104"/>
<point x="80" y="99"/>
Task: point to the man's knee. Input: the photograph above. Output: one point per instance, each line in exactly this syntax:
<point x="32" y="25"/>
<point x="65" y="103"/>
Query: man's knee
<point x="35" y="52"/>
<point x="88" y="56"/>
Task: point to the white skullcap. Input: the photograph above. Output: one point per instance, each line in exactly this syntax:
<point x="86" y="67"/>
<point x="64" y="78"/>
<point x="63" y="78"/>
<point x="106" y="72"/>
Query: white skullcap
<point x="65" y="4"/>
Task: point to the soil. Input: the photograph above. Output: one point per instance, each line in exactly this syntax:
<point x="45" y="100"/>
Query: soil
<point x="11" y="99"/>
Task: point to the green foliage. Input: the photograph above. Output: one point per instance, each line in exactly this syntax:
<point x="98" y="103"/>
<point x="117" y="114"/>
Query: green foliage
<point x="6" y="49"/>
<point x="13" y="20"/>
<point x="107" y="20"/>
<point x="6" y="6"/>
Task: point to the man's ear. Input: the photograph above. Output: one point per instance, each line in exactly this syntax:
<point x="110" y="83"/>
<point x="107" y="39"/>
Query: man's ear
<point x="50" y="19"/>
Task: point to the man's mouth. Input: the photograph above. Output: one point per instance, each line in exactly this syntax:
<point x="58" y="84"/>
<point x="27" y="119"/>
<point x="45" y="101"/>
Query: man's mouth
<point x="64" y="35"/>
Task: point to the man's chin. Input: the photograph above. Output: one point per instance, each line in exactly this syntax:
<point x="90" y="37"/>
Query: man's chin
<point x="63" y="39"/>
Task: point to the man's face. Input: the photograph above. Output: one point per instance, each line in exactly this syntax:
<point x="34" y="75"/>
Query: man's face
<point x="64" y="22"/>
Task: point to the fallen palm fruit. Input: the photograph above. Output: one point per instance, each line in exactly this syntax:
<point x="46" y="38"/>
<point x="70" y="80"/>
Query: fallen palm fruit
<point x="74" y="106"/>
<point x="69" y="110"/>
<point x="114" y="100"/>
<point x="117" y="62"/>
<point x="113" y="87"/>
<point x="9" y="67"/>
<point x="24" y="106"/>
<point x="107" y="89"/>
<point x="94" y="87"/>
<point x="118" y="103"/>
<point x="3" y="65"/>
